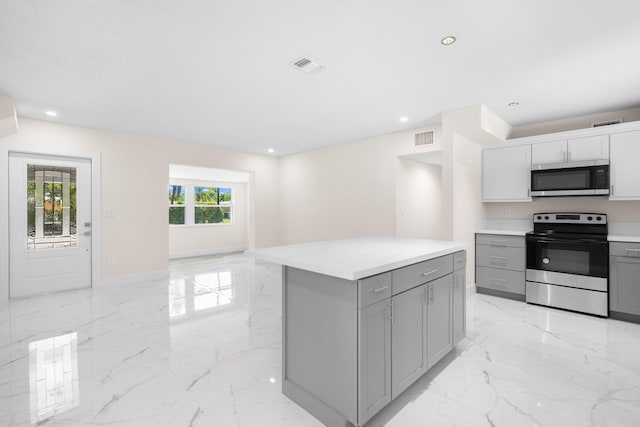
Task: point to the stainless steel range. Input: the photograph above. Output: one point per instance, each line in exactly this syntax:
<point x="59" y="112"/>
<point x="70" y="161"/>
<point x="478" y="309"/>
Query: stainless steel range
<point x="568" y="262"/>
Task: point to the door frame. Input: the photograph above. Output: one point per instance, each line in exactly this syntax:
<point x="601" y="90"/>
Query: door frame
<point x="96" y="198"/>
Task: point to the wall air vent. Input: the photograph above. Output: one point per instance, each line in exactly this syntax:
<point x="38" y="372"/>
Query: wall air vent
<point x="607" y="123"/>
<point x="306" y="65"/>
<point x="424" y="138"/>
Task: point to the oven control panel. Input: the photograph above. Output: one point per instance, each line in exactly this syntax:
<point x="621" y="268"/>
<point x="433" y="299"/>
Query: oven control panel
<point x="569" y="218"/>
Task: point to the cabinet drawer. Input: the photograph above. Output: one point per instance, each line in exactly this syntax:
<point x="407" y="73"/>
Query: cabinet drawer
<point x="373" y="289"/>
<point x="500" y="257"/>
<point x="624" y="249"/>
<point x="459" y="260"/>
<point x="499" y="240"/>
<point x="500" y="280"/>
<point x="413" y="275"/>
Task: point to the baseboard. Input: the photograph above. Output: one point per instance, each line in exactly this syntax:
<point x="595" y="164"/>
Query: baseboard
<point x="129" y="279"/>
<point x="502" y="294"/>
<point x="634" y="318"/>
<point x="182" y="255"/>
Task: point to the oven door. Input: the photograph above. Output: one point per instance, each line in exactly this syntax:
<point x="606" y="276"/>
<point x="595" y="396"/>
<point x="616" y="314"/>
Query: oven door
<point x="579" y="263"/>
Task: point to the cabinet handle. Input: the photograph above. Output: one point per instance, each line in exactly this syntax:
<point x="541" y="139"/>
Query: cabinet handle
<point x="429" y="273"/>
<point x="498" y="243"/>
<point x="391" y="312"/>
<point x="504" y="258"/>
<point x="636" y="252"/>
<point x="498" y="280"/>
<point x="375" y="291"/>
<point x="460" y="260"/>
<point x="568" y="156"/>
<point x="613" y="187"/>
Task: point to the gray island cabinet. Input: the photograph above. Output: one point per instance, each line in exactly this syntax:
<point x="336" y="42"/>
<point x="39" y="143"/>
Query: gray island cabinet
<point x="358" y="334"/>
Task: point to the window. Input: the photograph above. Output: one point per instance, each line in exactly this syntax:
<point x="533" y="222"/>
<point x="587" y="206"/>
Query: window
<point x="212" y="205"/>
<point x="189" y="205"/>
<point x="176" y="204"/>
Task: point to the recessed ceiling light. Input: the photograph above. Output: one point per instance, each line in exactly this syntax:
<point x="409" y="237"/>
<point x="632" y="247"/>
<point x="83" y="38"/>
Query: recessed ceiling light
<point x="51" y="113"/>
<point x="513" y="104"/>
<point x="404" y="119"/>
<point x="271" y="150"/>
<point x="448" y="40"/>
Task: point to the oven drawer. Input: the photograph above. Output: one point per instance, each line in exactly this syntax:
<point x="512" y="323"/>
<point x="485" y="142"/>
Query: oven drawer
<point x="413" y="275"/>
<point x="624" y="249"/>
<point x="500" y="240"/>
<point x="500" y="280"/>
<point x="510" y="258"/>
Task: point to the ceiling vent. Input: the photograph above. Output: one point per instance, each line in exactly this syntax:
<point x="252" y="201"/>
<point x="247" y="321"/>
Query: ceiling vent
<point x="424" y="138"/>
<point x="607" y="123"/>
<point x="306" y="65"/>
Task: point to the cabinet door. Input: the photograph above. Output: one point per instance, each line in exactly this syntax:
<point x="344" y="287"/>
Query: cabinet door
<point x="374" y="367"/>
<point x="506" y="174"/>
<point x="588" y="148"/>
<point x="549" y="152"/>
<point x="624" y="292"/>
<point x="625" y="152"/>
<point x="439" y="331"/>
<point x="408" y="338"/>
<point x="459" y="305"/>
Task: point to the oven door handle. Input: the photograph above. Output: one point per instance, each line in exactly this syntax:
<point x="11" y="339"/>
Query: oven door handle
<point x="570" y="241"/>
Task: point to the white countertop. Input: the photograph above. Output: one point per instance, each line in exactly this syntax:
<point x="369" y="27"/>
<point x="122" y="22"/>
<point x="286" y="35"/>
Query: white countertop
<point x="359" y="257"/>
<point x="624" y="232"/>
<point x="504" y="226"/>
<point x="502" y="232"/>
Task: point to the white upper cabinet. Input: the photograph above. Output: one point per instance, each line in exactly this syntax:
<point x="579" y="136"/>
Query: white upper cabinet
<point x="625" y="152"/>
<point x="506" y="174"/>
<point x="572" y="150"/>
<point x="588" y="148"/>
<point x="549" y="152"/>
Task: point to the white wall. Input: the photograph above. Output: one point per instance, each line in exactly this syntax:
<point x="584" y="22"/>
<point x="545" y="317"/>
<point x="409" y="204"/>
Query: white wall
<point x="419" y="207"/>
<point x="467" y="206"/>
<point x="351" y="190"/>
<point x="204" y="239"/>
<point x="135" y="172"/>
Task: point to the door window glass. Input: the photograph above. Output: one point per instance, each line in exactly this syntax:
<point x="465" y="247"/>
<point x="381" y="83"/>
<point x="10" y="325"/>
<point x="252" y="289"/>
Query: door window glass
<point x="51" y="207"/>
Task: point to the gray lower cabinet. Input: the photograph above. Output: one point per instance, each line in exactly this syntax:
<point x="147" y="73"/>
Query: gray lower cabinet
<point x="624" y="281"/>
<point x="459" y="305"/>
<point x="408" y="338"/>
<point x="500" y="265"/>
<point x="351" y="347"/>
<point x="374" y="369"/>
<point x="439" y="336"/>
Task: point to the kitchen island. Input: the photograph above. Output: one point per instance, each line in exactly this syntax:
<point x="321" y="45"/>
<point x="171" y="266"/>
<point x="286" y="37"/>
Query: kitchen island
<point x="364" y="318"/>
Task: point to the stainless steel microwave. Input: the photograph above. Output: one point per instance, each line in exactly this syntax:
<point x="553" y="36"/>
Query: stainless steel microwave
<point x="589" y="178"/>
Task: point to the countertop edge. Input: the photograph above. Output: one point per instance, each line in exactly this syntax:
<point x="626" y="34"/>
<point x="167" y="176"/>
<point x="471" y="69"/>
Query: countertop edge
<point x="502" y="232"/>
<point x="623" y="238"/>
<point x="363" y="273"/>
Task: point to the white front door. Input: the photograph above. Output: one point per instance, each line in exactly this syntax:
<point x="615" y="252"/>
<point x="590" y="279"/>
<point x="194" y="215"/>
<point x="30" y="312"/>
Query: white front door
<point x="49" y="224"/>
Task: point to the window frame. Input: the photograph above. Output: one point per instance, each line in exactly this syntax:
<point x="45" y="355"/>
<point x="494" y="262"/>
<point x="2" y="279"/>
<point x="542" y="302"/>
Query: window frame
<point x="190" y="202"/>
<point x="183" y="205"/>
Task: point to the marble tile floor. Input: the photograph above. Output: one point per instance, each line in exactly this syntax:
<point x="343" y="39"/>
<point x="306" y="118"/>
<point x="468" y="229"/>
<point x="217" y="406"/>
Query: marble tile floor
<point x="204" y="350"/>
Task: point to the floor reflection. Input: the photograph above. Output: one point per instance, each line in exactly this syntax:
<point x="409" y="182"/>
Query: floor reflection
<point x="200" y="292"/>
<point x="53" y="376"/>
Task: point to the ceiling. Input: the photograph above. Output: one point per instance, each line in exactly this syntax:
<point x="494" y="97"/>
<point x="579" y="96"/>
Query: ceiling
<point x="218" y="71"/>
